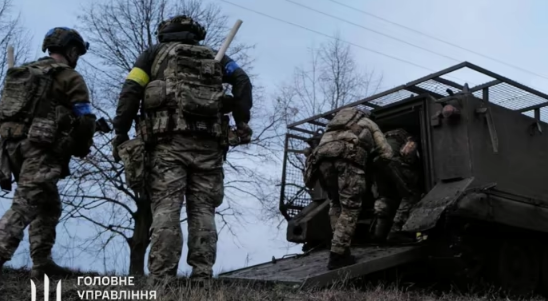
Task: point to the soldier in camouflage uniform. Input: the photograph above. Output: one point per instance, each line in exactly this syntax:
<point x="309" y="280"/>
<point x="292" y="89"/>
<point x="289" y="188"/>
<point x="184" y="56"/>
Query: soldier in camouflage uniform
<point x="37" y="144"/>
<point x="339" y="164"/>
<point x="181" y="129"/>
<point x="393" y="206"/>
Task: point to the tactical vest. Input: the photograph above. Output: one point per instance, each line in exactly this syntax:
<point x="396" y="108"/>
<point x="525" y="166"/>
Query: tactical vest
<point x="344" y="138"/>
<point x="188" y="97"/>
<point x="26" y="107"/>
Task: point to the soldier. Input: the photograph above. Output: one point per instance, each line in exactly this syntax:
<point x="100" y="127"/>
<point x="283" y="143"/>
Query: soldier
<point x="339" y="163"/>
<point x="180" y="84"/>
<point x="37" y="144"/>
<point x="392" y="208"/>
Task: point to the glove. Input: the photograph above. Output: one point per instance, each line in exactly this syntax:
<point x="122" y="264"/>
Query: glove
<point x="244" y="132"/>
<point x="82" y="149"/>
<point x="227" y="104"/>
<point x="82" y="135"/>
<point x="119" y="139"/>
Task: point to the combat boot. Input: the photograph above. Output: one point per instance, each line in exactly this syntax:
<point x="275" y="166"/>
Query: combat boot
<point x="162" y="282"/>
<point x="401" y="237"/>
<point x="200" y="282"/>
<point x="50" y="268"/>
<point x="340" y="260"/>
<point x="200" y="279"/>
<point x="382" y="227"/>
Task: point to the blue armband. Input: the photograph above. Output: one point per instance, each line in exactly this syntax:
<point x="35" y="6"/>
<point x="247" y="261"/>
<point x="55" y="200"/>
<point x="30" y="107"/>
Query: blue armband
<point x="230" y="68"/>
<point x="80" y="109"/>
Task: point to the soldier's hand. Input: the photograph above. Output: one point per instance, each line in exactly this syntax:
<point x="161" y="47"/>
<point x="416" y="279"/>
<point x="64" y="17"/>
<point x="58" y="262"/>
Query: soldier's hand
<point x="83" y="149"/>
<point x="244" y="132"/>
<point x="119" y="139"/>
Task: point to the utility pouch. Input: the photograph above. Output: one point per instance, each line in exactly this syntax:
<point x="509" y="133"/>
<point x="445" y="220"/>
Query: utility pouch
<point x="132" y="153"/>
<point x="144" y="130"/>
<point x="198" y="99"/>
<point x="225" y="128"/>
<point x="155" y="95"/>
<point x="5" y="169"/>
<point x="160" y="123"/>
<point x="42" y="131"/>
<point x="13" y="130"/>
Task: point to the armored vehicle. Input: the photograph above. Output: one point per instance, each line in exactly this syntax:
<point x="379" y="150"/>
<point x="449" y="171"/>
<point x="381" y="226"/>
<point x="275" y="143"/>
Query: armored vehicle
<point x="484" y="207"/>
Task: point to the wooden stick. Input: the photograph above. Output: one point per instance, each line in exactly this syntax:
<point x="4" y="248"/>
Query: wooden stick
<point x="10" y="56"/>
<point x="228" y="40"/>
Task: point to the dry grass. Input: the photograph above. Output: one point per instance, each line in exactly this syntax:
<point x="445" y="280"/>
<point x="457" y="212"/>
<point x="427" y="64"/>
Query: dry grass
<point x="15" y="285"/>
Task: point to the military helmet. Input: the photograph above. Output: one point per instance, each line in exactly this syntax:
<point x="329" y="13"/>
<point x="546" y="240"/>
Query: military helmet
<point x="181" y="23"/>
<point x="61" y="37"/>
<point x="400" y="135"/>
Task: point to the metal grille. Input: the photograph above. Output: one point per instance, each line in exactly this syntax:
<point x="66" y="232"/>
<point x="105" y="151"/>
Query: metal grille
<point x="500" y="90"/>
<point x="437" y="87"/>
<point x="297" y="195"/>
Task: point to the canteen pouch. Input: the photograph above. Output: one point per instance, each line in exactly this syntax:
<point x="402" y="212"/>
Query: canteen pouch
<point x="132" y="153"/>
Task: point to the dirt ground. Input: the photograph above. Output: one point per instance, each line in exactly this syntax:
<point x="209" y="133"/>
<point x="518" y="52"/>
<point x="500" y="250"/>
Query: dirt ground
<point x="15" y="286"/>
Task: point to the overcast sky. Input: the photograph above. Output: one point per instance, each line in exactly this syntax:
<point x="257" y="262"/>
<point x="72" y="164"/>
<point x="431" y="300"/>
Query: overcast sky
<point x="507" y="31"/>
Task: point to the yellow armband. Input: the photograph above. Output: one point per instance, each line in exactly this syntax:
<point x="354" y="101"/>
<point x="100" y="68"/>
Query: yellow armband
<point x="139" y="76"/>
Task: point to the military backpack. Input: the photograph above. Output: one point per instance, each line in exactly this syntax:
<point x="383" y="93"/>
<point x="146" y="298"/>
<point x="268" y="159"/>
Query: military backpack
<point x="193" y="80"/>
<point x="189" y="95"/>
<point x="25" y="109"/>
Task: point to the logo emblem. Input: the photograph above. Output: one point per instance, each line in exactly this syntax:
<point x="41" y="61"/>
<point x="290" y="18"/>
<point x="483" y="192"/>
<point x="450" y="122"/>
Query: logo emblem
<point x="46" y="290"/>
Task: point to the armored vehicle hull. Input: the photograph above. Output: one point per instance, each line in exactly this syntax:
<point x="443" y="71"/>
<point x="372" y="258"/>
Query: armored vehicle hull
<point x="485" y="201"/>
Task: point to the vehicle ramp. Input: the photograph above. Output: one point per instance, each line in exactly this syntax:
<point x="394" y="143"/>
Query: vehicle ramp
<point x="310" y="269"/>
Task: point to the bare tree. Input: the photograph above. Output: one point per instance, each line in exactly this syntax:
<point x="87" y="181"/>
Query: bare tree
<point x="118" y="32"/>
<point x="14" y="34"/>
<point x="331" y="79"/>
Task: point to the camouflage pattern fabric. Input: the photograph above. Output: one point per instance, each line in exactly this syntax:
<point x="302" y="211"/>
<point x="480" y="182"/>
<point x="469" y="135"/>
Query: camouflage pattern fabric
<point x="345" y="185"/>
<point x="391" y="206"/>
<point x="37" y="170"/>
<point x="192" y="168"/>
<point x="36" y="201"/>
<point x="402" y="214"/>
<point x="339" y="163"/>
<point x="385" y="207"/>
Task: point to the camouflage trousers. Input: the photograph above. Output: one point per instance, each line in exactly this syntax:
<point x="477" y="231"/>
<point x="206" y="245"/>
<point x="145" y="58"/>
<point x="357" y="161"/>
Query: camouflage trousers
<point x="192" y="168"/>
<point x="36" y="201"/>
<point x="396" y="210"/>
<point x="345" y="184"/>
<point x="390" y="206"/>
